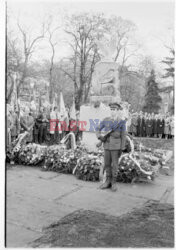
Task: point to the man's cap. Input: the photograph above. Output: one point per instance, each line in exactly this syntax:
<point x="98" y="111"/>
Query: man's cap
<point x="115" y="105"/>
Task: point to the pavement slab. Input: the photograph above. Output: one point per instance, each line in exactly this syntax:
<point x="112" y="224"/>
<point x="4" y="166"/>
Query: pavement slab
<point x="35" y="186"/>
<point x="35" y="199"/>
<point x="18" y="236"/>
<point x="35" y="213"/>
<point x="102" y="201"/>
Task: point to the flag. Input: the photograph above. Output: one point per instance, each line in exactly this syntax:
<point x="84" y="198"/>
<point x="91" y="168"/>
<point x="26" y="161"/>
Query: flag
<point x="73" y="110"/>
<point x="63" y="110"/>
<point x="62" y="105"/>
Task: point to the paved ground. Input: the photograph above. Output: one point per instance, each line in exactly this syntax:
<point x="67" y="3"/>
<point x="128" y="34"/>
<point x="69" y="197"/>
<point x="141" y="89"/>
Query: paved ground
<point x="35" y="199"/>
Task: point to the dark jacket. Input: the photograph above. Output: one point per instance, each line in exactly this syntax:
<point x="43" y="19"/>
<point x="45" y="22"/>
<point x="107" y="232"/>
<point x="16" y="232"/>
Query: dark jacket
<point x="160" y="126"/>
<point x="117" y="139"/>
<point x="141" y="128"/>
<point x="149" y="126"/>
<point x="40" y="121"/>
<point x="155" y="130"/>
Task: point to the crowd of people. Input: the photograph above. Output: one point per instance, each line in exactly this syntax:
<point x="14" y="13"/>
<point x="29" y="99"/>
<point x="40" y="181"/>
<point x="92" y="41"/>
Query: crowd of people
<point x="39" y="124"/>
<point x="151" y="125"/>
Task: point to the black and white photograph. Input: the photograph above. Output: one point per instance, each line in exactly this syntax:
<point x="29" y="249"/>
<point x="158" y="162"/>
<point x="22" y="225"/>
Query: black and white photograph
<point x="89" y="124"/>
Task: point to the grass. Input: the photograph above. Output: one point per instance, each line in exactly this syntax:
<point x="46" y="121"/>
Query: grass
<point x="157" y="143"/>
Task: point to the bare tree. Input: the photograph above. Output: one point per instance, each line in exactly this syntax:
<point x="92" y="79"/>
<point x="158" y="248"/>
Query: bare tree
<point x="83" y="31"/>
<point x="14" y="57"/>
<point x="14" y="61"/>
<point x="28" y="48"/>
<point x="51" y="31"/>
<point x="122" y="32"/>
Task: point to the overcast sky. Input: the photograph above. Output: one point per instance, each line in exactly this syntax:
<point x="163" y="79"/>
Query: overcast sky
<point x="154" y="20"/>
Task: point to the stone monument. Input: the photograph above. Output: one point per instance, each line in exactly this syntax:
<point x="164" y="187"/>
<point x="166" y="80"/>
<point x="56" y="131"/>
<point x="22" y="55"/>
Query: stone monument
<point x="104" y="89"/>
<point x="105" y="80"/>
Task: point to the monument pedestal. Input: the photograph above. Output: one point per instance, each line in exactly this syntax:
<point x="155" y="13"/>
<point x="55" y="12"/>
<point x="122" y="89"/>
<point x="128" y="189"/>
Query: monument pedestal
<point x="92" y="116"/>
<point x="90" y="140"/>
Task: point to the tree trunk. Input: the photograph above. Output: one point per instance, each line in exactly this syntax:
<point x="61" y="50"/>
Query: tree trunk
<point x="23" y="75"/>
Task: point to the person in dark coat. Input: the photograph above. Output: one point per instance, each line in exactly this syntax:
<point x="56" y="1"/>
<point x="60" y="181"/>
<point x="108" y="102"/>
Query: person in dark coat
<point x="142" y="126"/>
<point x="139" y="124"/>
<point x="42" y="123"/>
<point x="155" y="129"/>
<point x="134" y="124"/>
<point x="153" y="123"/>
<point x="144" y="118"/>
<point x="35" y="129"/>
<point x="160" y="126"/>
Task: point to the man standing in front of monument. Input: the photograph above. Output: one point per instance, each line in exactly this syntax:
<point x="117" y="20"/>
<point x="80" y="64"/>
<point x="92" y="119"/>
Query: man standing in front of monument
<point x="114" y="143"/>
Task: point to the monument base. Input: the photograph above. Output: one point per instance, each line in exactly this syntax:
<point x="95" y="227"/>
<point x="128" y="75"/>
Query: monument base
<point x="90" y="140"/>
<point x="91" y="117"/>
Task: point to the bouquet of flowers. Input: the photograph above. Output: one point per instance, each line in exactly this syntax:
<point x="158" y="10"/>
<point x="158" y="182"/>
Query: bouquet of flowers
<point x="32" y="154"/>
<point x="88" y="167"/>
<point x="62" y="160"/>
<point x="133" y="168"/>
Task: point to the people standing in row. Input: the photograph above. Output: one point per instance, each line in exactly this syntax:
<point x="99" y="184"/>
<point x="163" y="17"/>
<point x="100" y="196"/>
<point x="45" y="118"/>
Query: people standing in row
<point x="58" y="125"/>
<point x="151" y="125"/>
